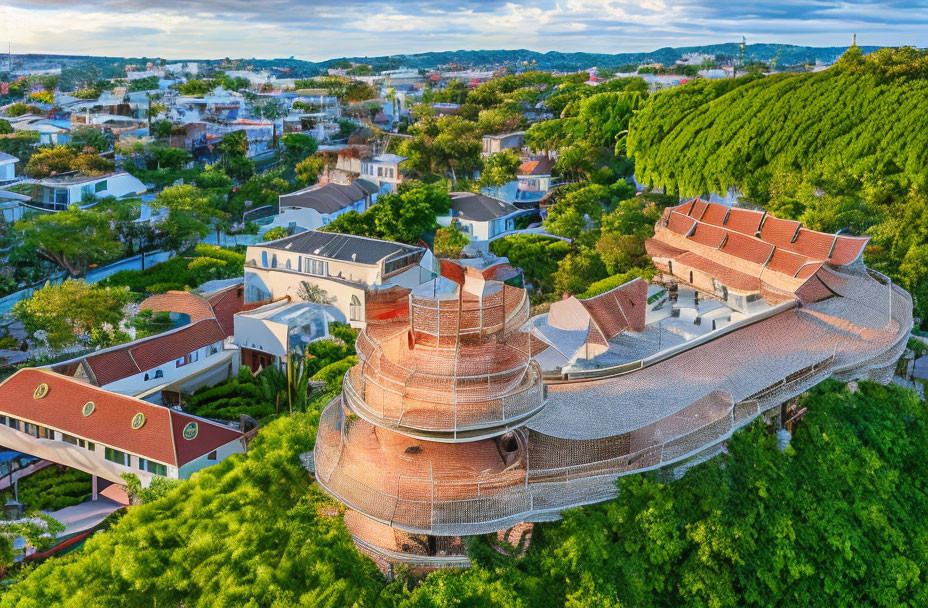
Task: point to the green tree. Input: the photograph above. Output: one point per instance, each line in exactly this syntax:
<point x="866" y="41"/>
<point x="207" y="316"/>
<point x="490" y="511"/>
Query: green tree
<point x="309" y="169"/>
<point x="191" y="213"/>
<point x="72" y="309"/>
<point x="449" y="241"/>
<point x="298" y="147"/>
<point x="71" y="239"/>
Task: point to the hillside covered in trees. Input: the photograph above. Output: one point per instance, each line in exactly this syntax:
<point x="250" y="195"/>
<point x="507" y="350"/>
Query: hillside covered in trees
<point x="841" y="149"/>
<point x="835" y="520"/>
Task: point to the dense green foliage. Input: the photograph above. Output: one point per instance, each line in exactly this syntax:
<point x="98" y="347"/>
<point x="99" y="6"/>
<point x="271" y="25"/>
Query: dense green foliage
<point x="536" y="255"/>
<point x="403" y="216"/>
<point x="842" y="148"/>
<point x="836" y="520"/>
<point x="250" y="531"/>
<point x="203" y="263"/>
<point x="75" y="311"/>
<point x="52" y="489"/>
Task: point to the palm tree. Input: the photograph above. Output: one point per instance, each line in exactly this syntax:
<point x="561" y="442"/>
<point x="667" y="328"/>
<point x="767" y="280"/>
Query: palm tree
<point x="310" y="292"/>
<point x="291" y="387"/>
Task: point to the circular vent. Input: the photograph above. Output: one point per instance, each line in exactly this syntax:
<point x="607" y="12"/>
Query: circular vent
<point x="40" y="391"/>
<point x="138" y="421"/>
<point x="191" y="430"/>
<point x="88" y="408"/>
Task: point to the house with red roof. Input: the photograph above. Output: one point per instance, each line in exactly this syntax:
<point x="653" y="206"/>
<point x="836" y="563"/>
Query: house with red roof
<point x="71" y="422"/>
<point x="158" y="368"/>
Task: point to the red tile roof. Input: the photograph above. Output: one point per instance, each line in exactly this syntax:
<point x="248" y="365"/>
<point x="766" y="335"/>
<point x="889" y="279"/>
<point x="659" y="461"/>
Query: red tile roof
<point x="746" y="221"/>
<point x="160" y="438"/>
<point x="135" y="357"/>
<point x="225" y="304"/>
<point x="539" y="166"/>
<point x="709" y="235"/>
<point x="184" y="302"/>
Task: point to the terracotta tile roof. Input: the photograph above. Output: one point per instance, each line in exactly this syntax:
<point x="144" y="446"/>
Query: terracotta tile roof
<point x="657" y="248"/>
<point x="135" y="357"/>
<point x="225" y="304"/>
<point x="786" y="262"/>
<point x="184" y="302"/>
<point x="679" y="223"/>
<point x="848" y="249"/>
<point x="746" y="221"/>
<point x="778" y="231"/>
<point x="539" y="166"/>
<point x="619" y="309"/>
<point x="812" y="244"/>
<point x="709" y="235"/>
<point x="715" y="214"/>
<point x="727" y="276"/>
<point x="747" y="248"/>
<point x="111" y="420"/>
<point x="698" y="209"/>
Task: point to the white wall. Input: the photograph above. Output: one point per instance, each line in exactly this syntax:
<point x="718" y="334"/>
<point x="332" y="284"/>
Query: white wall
<point x="136" y="384"/>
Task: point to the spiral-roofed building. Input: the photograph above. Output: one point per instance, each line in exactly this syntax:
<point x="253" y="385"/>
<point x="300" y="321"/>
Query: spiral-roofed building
<point x="464" y="416"/>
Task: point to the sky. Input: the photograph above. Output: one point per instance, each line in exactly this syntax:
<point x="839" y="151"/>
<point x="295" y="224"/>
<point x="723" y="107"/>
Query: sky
<point x="323" y="29"/>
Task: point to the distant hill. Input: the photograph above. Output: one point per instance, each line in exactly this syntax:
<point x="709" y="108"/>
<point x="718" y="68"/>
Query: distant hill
<point x="785" y="54"/>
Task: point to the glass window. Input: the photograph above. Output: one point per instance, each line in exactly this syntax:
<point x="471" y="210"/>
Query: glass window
<point x="180" y="362"/>
<point x="159" y="374"/>
<point x="99" y="186"/>
<point x="155" y="468"/>
<point x="274" y="261"/>
<point x="32" y="429"/>
<point x="13" y="423"/>
<point x="116" y="456"/>
<point x="211" y="455"/>
<point x="264" y="258"/>
<point x="355" y="309"/>
<point x="316" y="267"/>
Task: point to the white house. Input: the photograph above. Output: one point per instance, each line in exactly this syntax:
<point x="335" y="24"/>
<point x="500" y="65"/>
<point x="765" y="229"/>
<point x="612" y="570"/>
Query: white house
<point x="70" y="422"/>
<point x="314" y="207"/>
<point x="347" y="268"/>
<point x="481" y="218"/>
<point x="504" y="141"/>
<point x="534" y="179"/>
<point x="7" y="167"/>
<point x="384" y="170"/>
<point x="268" y="334"/>
<point x="59" y="192"/>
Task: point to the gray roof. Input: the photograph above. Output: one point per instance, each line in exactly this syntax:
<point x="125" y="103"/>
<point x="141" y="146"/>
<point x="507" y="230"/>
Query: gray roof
<point x="336" y="246"/>
<point x="330" y="197"/>
<point x="478" y="207"/>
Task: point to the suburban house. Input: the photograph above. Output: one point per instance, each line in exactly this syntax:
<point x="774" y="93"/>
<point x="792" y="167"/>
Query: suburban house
<point x="51" y="132"/>
<point x="268" y="334"/>
<point x="504" y="141"/>
<point x="347" y="268"/>
<point x="384" y="170"/>
<point x="314" y="207"/>
<point x="481" y="218"/>
<point x="73" y="423"/>
<point x="7" y="167"/>
<point x="61" y="191"/>
<point x="534" y="179"/>
<point x="158" y="368"/>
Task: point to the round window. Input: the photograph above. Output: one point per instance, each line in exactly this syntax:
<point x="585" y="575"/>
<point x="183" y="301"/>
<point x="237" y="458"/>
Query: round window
<point x="88" y="408"/>
<point x="191" y="430"/>
<point x="138" y="420"/>
<point x="40" y="391"/>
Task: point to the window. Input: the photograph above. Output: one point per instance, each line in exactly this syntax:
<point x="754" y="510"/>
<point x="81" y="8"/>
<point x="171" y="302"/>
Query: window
<point x="13" y="423"/>
<point x="194" y="356"/>
<point x="274" y="261"/>
<point x="116" y="456"/>
<point x="211" y="455"/>
<point x="99" y="186"/>
<point x="32" y="429"/>
<point x="182" y="361"/>
<point x="61" y="196"/>
<point x="82" y="443"/>
<point x="155" y="468"/>
<point x="147" y="378"/>
<point x="159" y="374"/>
<point x="355" y="309"/>
<point x="398" y="263"/>
<point x="86" y="190"/>
<point x="264" y="258"/>
<point x="288" y="264"/>
<point x="316" y="267"/>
